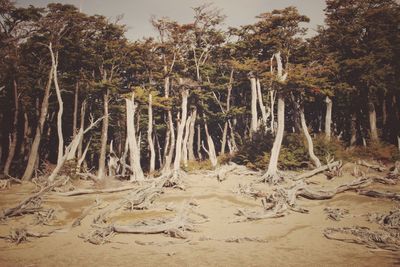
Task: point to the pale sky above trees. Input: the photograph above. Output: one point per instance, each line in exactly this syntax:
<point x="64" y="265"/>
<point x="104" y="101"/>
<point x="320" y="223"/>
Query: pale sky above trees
<point x="137" y="13"/>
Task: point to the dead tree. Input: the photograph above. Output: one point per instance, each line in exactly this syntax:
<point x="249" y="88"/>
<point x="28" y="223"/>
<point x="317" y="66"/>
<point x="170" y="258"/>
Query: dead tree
<point x="150" y="137"/>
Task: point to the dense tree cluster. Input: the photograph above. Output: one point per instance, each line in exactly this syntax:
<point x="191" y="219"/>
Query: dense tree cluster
<point x="195" y="91"/>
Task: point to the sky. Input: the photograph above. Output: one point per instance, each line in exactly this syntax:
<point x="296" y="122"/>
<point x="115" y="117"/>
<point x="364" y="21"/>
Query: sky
<point x="137" y="13"/>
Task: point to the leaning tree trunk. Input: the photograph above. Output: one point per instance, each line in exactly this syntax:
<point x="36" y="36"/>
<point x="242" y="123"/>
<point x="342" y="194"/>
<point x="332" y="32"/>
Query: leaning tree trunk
<point x="192" y="130"/>
<point x="104" y="137"/>
<point x="372" y="122"/>
<point x="134" y="148"/>
<point x="310" y="144"/>
<point x="54" y="61"/>
<point x="254" y="116"/>
<point x="228" y="107"/>
<point x="13" y="136"/>
<point x="328" y="118"/>
<point x="179" y="136"/>
<point x="150" y="138"/>
<point x="170" y="153"/>
<point x="199" y="155"/>
<point x="34" y="152"/>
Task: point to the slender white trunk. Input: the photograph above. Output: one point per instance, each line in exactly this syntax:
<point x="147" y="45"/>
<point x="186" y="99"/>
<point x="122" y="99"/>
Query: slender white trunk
<point x="254" y="116"/>
<point x="150" y="138"/>
<point x="271" y="173"/>
<point x="328" y="118"/>
<point x="264" y="114"/>
<point x="170" y="154"/>
<point x="211" y="148"/>
<point x="179" y="136"/>
<point x="104" y="138"/>
<point x="134" y="148"/>
<point x="192" y="130"/>
<point x="372" y="122"/>
<point x="310" y="144"/>
<point x="272" y="96"/>
<point x="13" y="136"/>
<point x="185" y="141"/>
<point x="75" y="115"/>
<point x="54" y="60"/>
<point x="228" y="107"/>
<point x="82" y="122"/>
<point x="199" y="142"/>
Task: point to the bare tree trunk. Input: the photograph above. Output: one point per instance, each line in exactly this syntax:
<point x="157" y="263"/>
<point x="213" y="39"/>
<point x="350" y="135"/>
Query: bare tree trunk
<point x="211" y="147"/>
<point x="353" y="126"/>
<point x="272" y="96"/>
<point x="185" y="141"/>
<point x="150" y="138"/>
<point x="13" y="136"/>
<point x="104" y="137"/>
<point x="232" y="142"/>
<point x="134" y="148"/>
<point x="54" y="61"/>
<point x="228" y="107"/>
<point x="26" y="143"/>
<point x="200" y="156"/>
<point x="82" y="122"/>
<point x="328" y="118"/>
<point x="191" y="135"/>
<point x="271" y="174"/>
<point x="310" y="144"/>
<point x="75" y="115"/>
<point x="264" y="114"/>
<point x="179" y="136"/>
<point x="372" y="122"/>
<point x="33" y="155"/>
<point x="254" y="116"/>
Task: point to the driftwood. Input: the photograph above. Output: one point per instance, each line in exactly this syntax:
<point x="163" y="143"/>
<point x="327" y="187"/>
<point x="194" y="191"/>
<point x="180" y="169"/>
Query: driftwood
<point x="317" y="170"/>
<point x="377" y="167"/>
<point x="96" y="191"/>
<point x="19" y="235"/>
<point x="364" y="236"/>
<point x="378" y="194"/>
<point x="30" y="204"/>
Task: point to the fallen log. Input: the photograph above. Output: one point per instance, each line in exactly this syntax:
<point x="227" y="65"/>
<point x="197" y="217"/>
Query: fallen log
<point x="378" y="194"/>
<point x="317" y="170"/>
<point x="96" y="191"/>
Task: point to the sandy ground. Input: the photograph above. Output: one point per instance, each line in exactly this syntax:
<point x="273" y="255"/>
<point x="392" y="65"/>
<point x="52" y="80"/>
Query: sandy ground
<point x="294" y="240"/>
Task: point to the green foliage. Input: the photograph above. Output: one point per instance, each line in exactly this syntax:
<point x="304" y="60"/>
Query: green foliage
<point x="377" y="151"/>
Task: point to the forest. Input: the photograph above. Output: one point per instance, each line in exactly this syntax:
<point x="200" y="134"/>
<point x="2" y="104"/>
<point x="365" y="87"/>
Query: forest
<point x="266" y="108"/>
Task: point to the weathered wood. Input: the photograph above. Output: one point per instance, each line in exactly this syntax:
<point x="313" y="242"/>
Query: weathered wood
<point x="316" y="171"/>
<point x="379" y="194"/>
<point x="96" y="191"/>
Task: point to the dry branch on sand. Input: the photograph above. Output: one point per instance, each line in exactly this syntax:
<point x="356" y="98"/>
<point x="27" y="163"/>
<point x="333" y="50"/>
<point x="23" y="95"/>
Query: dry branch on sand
<point x="378" y="167"/>
<point x="284" y="199"/>
<point x="336" y="214"/>
<point x="315" y="171"/>
<point x="379" y="194"/>
<point x="96" y="191"/>
<point x="19" y="235"/>
<point x="175" y="228"/>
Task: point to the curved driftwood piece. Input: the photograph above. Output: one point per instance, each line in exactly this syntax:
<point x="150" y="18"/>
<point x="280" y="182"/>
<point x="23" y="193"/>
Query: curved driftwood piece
<point x="377" y="167"/>
<point x="379" y="194"/>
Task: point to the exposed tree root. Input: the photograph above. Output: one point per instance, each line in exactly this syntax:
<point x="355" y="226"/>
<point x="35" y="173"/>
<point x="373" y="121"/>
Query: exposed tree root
<point x="20" y="235"/>
<point x="44" y="217"/>
<point x="232" y="168"/>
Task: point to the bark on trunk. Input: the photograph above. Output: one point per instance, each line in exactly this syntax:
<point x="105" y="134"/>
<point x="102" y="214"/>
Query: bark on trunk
<point x="150" y="138"/>
<point x="228" y="107"/>
<point x="192" y="130"/>
<point x="372" y="122"/>
<point x="134" y="148"/>
<point x="82" y="126"/>
<point x="254" y="116"/>
<point x="13" y="136"/>
<point x="104" y="137"/>
<point x="54" y="61"/>
<point x="310" y="144"/>
<point x="328" y="119"/>
<point x="179" y="136"/>
<point x="353" y="126"/>
<point x="34" y="155"/>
